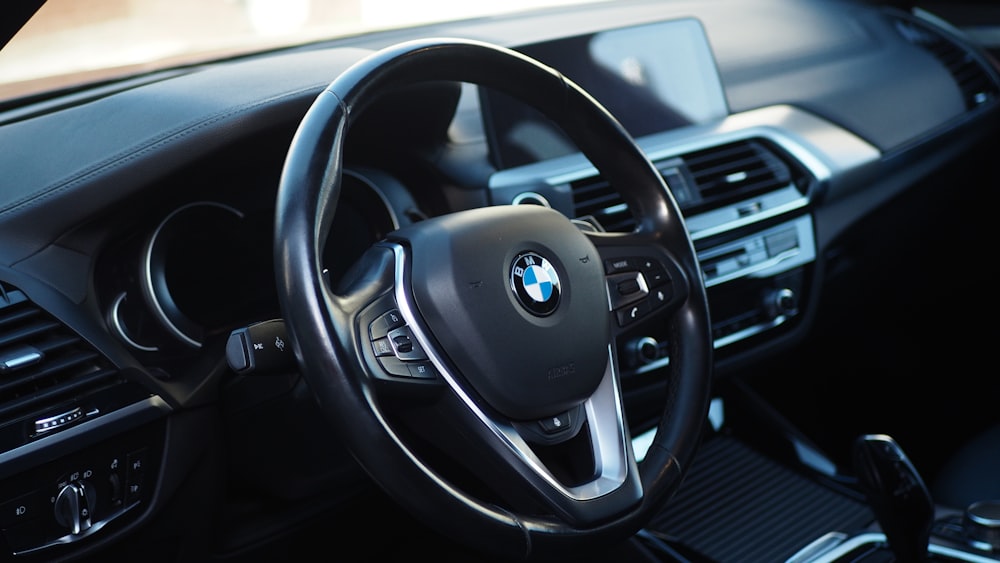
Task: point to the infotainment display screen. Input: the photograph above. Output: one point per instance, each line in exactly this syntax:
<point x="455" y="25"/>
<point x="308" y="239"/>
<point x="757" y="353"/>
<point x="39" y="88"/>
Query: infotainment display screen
<point x="653" y="78"/>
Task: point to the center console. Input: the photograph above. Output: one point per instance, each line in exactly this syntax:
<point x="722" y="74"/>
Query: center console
<point x="772" y="496"/>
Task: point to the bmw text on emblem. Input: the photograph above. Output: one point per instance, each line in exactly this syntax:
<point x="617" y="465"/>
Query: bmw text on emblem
<point x="535" y="283"/>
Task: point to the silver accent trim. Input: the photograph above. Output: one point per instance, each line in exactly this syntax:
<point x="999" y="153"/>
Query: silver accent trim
<point x="147" y="265"/>
<point x="607" y="434"/>
<point x="20" y="357"/>
<point x="818" y="547"/>
<point x="61" y="420"/>
<point x="803" y="253"/>
<point x="748" y="332"/>
<point x="652" y="366"/>
<point x="524" y="198"/>
<point x="146" y="410"/>
<point x="119" y="329"/>
<point x="728" y="218"/>
<point x="827" y="550"/>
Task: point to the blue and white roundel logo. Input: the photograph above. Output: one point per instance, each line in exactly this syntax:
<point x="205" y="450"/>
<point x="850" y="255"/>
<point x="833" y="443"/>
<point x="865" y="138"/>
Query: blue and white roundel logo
<point x="535" y="283"/>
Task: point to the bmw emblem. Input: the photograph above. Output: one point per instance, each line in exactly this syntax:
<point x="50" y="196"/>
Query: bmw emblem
<point x="535" y="283"/>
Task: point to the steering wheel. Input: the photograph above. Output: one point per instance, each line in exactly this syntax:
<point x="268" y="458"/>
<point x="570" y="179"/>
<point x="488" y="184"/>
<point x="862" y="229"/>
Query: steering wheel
<point x="468" y="361"/>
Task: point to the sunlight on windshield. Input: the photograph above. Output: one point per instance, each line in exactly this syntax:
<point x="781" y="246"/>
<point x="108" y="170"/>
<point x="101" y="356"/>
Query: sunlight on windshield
<point x="74" y="41"/>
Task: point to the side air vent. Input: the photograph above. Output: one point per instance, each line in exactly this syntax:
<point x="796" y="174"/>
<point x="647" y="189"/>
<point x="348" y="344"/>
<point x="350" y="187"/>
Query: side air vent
<point x="700" y="181"/>
<point x="44" y="366"/>
<point x="968" y="70"/>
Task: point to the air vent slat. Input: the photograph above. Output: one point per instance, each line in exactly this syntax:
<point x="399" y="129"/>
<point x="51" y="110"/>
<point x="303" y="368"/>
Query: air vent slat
<point x="720" y="175"/>
<point x="46" y="397"/>
<point x="45" y="364"/>
<point x="50" y="368"/>
<point x="604" y="200"/>
<point x="55" y="342"/>
<point x="735" y="171"/>
<point x="16" y="316"/>
<point x="597" y="188"/>
<point x="26" y="332"/>
<point x="969" y="72"/>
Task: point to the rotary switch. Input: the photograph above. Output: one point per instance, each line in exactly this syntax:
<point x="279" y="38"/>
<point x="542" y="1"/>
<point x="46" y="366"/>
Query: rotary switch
<point x="780" y="302"/>
<point x="643" y="351"/>
<point x="74" y="506"/>
<point x="982" y="524"/>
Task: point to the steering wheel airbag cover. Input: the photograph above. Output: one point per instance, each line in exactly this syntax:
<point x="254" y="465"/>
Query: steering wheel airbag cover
<point x="525" y="365"/>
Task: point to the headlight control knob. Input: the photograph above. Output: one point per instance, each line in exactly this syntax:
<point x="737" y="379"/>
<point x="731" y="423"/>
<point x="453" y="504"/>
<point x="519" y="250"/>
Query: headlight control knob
<point x="74" y="506"/>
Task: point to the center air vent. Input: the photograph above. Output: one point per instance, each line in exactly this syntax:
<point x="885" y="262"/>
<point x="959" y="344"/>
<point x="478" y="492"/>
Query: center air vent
<point x="45" y="368"/>
<point x="700" y="181"/>
<point x="735" y="171"/>
<point x="968" y="70"/>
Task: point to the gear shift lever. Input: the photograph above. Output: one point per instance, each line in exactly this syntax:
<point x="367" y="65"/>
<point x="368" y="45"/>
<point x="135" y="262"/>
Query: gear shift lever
<point x="897" y="495"/>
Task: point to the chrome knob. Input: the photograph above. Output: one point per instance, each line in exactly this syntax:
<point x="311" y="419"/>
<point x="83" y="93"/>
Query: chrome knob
<point x="74" y="506"/>
<point x="982" y="524"/>
<point x="780" y="302"/>
<point x="644" y="350"/>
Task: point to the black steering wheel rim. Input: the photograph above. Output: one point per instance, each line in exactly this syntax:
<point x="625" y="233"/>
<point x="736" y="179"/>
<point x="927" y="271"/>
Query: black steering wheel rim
<point x="324" y="323"/>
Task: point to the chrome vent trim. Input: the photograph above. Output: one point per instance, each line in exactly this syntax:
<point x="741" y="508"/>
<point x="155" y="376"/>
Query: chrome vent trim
<point x="700" y="180"/>
<point x="43" y="363"/>
<point x="595" y="197"/>
<point x="735" y="171"/>
<point x="968" y="70"/>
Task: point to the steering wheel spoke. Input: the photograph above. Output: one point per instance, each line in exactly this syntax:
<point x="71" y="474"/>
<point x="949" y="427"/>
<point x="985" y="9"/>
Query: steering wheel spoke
<point x="576" y="463"/>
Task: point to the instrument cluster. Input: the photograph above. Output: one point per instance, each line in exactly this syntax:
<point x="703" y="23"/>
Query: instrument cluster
<point x="190" y="276"/>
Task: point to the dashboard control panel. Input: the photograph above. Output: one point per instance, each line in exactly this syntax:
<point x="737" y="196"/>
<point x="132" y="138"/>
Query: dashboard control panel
<point x="75" y="496"/>
<point x="746" y="205"/>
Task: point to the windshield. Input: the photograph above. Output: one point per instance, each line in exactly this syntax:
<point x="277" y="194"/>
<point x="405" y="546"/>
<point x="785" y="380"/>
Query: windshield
<point x="71" y="42"/>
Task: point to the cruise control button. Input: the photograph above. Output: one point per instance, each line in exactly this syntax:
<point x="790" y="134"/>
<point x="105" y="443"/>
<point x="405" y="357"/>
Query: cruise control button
<point x="421" y="370"/>
<point x="404" y="345"/>
<point x="382" y="347"/>
<point x="626" y="288"/>
<point x="387" y="321"/>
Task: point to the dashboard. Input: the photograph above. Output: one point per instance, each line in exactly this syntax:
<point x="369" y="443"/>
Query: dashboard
<point x="137" y="243"/>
